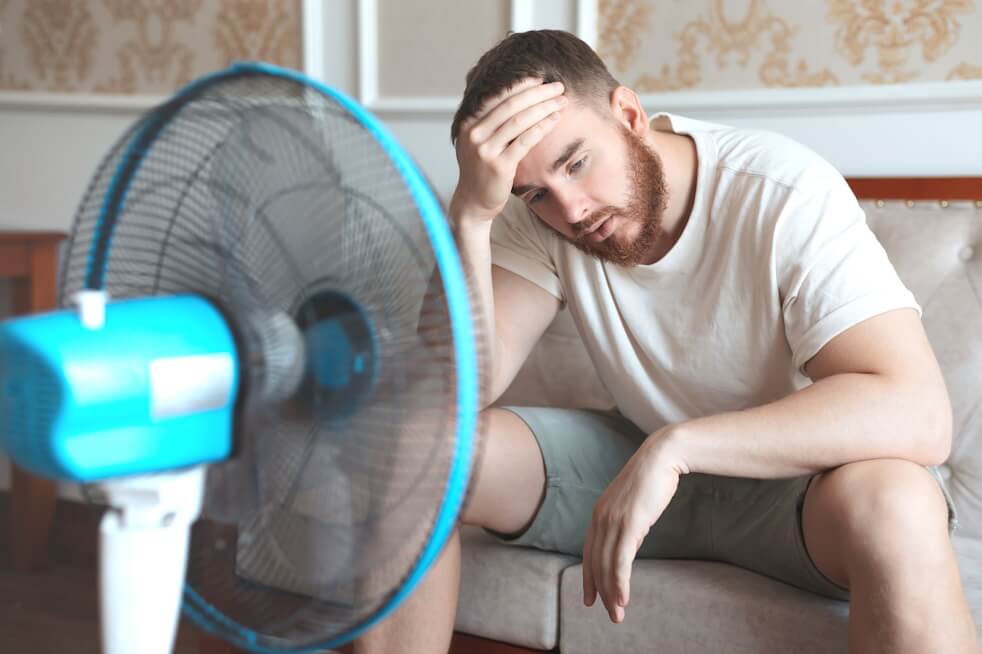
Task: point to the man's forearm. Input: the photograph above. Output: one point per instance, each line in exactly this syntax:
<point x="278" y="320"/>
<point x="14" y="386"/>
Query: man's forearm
<point x="837" y="420"/>
<point x="474" y="243"/>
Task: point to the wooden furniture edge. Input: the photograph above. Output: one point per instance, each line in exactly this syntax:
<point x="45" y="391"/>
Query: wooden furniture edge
<point x="916" y="188"/>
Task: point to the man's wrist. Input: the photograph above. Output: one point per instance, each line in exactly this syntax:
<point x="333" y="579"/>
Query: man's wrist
<point x="470" y="229"/>
<point x="670" y="443"/>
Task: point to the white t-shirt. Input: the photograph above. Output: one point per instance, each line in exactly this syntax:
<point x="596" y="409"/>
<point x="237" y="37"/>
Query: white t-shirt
<point x="775" y="260"/>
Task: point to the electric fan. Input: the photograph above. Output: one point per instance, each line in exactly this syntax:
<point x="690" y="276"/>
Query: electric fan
<point x="273" y="369"/>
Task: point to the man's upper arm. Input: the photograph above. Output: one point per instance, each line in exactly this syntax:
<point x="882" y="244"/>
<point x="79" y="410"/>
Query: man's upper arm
<point x="890" y="344"/>
<point x="523" y="310"/>
<point x="893" y="345"/>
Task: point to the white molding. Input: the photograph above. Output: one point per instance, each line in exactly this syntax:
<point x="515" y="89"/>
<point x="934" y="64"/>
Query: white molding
<point x="430" y="104"/>
<point x="314" y="53"/>
<point x="79" y="102"/>
<point x="861" y="100"/>
<point x="522" y="15"/>
<point x="368" y="53"/>
<point x="586" y="21"/>
<point x="815" y="102"/>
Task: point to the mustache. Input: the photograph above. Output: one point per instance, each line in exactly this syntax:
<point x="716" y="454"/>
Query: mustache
<point x="580" y="228"/>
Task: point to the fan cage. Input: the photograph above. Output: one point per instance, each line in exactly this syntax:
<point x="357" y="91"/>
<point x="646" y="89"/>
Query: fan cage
<point x="204" y="195"/>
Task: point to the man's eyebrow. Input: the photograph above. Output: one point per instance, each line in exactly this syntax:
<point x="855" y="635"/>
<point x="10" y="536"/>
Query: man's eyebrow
<point x="567" y="153"/>
<point x="556" y="165"/>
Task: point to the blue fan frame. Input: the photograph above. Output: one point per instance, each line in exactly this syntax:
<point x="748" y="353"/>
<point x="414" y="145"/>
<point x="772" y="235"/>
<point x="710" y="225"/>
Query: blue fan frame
<point x="462" y="328"/>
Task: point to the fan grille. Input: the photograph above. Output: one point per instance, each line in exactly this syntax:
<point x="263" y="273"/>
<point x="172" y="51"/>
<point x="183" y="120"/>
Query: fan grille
<point x="260" y="192"/>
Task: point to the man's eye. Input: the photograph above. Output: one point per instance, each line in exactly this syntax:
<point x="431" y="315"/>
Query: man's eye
<point x="535" y="197"/>
<point x="577" y="165"/>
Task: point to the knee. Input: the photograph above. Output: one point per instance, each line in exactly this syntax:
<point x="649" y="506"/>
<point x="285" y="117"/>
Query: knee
<point x="886" y="510"/>
<point x="508" y="479"/>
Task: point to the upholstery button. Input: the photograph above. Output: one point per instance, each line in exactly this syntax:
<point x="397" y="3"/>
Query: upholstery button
<point x="966" y="253"/>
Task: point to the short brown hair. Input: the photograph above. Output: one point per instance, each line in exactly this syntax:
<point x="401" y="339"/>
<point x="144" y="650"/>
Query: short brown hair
<point x="550" y="55"/>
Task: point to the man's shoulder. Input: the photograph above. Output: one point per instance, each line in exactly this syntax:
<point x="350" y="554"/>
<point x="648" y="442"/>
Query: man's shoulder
<point x="765" y="156"/>
<point x="748" y="158"/>
<point x="517" y="227"/>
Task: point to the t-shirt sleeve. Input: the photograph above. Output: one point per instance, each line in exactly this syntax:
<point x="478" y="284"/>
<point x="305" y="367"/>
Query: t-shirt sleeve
<point x="832" y="271"/>
<point x="519" y="245"/>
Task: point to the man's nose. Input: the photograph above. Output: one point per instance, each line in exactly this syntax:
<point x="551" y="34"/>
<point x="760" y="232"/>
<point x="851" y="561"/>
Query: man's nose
<point x="573" y="205"/>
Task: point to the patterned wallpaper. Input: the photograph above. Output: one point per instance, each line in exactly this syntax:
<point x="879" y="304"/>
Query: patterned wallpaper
<point x="672" y="45"/>
<point x="138" y="46"/>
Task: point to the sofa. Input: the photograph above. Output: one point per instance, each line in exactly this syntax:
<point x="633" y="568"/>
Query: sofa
<point x="529" y="600"/>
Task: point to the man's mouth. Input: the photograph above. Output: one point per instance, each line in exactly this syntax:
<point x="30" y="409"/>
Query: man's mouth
<point x="595" y="226"/>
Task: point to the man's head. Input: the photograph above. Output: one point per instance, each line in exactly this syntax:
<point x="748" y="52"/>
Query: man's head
<point x="548" y="55"/>
<point x="594" y="178"/>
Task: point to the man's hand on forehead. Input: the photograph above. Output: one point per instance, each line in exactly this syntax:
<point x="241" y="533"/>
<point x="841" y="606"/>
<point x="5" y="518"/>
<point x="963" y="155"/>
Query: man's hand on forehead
<point x="530" y="96"/>
<point x="493" y="142"/>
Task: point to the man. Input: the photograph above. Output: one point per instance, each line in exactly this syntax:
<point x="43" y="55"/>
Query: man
<point x="777" y="399"/>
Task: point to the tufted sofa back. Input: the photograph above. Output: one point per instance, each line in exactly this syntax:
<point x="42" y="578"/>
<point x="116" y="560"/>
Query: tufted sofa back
<point x="936" y="247"/>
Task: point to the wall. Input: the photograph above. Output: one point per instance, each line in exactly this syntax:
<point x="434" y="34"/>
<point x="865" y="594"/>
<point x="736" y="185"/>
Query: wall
<point x="138" y="46"/>
<point x="74" y="75"/>
<point x="405" y="60"/>
<point x="106" y="61"/>
<point x="657" y="46"/>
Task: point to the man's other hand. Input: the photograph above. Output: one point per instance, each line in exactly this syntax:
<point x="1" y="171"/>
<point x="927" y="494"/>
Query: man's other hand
<point x="622" y="517"/>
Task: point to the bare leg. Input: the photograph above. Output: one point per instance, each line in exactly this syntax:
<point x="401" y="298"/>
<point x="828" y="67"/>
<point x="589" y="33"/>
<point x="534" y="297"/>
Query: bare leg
<point x="880" y="529"/>
<point x="424" y="622"/>
<point x="507" y="491"/>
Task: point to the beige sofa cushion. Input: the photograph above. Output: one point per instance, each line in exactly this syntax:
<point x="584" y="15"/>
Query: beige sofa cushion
<point x="937" y="250"/>
<point x="509" y="593"/>
<point x="703" y="608"/>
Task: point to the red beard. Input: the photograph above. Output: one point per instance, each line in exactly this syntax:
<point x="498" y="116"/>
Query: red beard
<point x="646" y="205"/>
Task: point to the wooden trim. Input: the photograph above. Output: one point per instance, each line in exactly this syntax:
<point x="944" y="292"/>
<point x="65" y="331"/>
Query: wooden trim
<point x="467" y="644"/>
<point x="21" y="237"/>
<point x="460" y="644"/>
<point x="32" y="505"/>
<point x="916" y="188"/>
<point x="13" y="259"/>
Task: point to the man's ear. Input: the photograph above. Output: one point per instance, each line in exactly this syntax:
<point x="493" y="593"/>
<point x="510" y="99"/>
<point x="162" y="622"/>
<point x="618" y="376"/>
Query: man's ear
<point x="627" y="110"/>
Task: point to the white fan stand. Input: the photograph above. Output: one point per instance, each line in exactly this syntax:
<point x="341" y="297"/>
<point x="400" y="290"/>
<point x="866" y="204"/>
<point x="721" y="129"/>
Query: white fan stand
<point x="143" y="557"/>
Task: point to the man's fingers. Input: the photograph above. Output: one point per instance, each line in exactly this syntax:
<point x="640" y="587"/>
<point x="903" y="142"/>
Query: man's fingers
<point x="589" y="589"/>
<point x="522" y="121"/>
<point x="490" y="103"/>
<point x="528" y="139"/>
<point x="604" y="571"/>
<point x="488" y="124"/>
<point x="623" y="558"/>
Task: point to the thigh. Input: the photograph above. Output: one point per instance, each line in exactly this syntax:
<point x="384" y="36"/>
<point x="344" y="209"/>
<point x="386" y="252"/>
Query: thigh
<point x="582" y="451"/>
<point x="757" y="525"/>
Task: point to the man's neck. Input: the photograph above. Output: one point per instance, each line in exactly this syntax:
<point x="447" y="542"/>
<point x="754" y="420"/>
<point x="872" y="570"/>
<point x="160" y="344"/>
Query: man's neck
<point x="681" y="166"/>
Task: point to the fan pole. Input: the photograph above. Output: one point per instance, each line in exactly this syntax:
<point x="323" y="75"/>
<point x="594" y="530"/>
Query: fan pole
<point x="143" y="558"/>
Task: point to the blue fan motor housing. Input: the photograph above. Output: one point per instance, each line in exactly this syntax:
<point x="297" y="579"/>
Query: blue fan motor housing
<point x="153" y="389"/>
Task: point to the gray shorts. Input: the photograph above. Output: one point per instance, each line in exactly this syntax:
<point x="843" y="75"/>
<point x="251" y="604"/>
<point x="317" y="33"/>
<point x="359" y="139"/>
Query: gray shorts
<point x="751" y="523"/>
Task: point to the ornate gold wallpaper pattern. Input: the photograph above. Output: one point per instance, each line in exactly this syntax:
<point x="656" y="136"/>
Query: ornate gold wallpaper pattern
<point x="671" y="45"/>
<point x="139" y="46"/>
